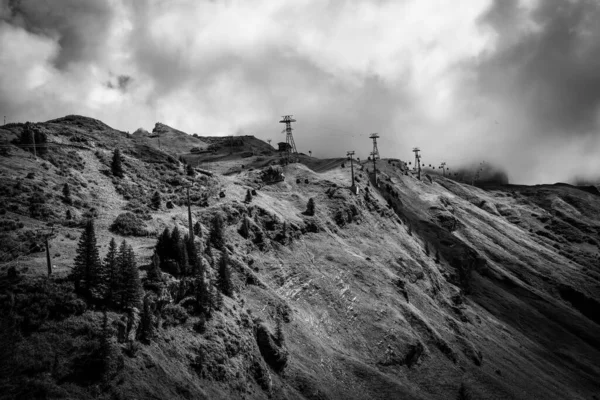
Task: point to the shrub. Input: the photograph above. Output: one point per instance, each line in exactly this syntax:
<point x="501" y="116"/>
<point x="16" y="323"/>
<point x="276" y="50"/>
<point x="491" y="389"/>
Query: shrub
<point x="174" y="314"/>
<point x="156" y="200"/>
<point x="128" y="224"/>
<point x="66" y="193"/>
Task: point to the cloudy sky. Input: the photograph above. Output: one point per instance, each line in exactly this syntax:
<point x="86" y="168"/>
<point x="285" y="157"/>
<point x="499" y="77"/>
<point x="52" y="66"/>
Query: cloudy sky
<point x="511" y="82"/>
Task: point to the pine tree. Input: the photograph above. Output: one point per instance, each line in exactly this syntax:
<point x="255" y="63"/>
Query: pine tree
<point x="284" y="233"/>
<point x="209" y="253"/>
<point x="116" y="166"/>
<point x="163" y="246"/>
<point x="68" y="215"/>
<point x="67" y="193"/>
<point x="217" y="300"/>
<point x="156" y="200"/>
<point x="174" y="245"/>
<point x="147" y="330"/>
<point x="154" y="273"/>
<point x="248" y="198"/>
<point x="87" y="262"/>
<point x="201" y="291"/>
<point x="192" y="254"/>
<point x="121" y="268"/>
<point x="105" y="346"/>
<point x="111" y="268"/>
<point x="132" y="287"/>
<point x="310" y="207"/>
<point x="182" y="255"/>
<point x="245" y="228"/>
<point x="224" y="277"/>
<point x="217" y="237"/>
<point x="198" y="229"/>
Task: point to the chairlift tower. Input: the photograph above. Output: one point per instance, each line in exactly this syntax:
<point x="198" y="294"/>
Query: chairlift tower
<point x="416" y="150"/>
<point x="443" y="167"/>
<point x="289" y="139"/>
<point x="375" y="152"/>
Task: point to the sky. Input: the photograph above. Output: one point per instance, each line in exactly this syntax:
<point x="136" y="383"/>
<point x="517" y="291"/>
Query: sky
<point x="515" y="83"/>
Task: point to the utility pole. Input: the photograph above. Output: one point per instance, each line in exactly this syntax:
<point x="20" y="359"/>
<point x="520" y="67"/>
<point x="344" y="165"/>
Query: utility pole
<point x="289" y="139"/>
<point x="351" y="155"/>
<point x="33" y="140"/>
<point x="48" y="259"/>
<point x="191" y="230"/>
<point x="416" y="150"/>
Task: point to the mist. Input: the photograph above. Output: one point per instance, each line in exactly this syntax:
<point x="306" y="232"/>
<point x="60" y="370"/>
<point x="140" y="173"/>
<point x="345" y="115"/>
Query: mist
<point x="512" y="83"/>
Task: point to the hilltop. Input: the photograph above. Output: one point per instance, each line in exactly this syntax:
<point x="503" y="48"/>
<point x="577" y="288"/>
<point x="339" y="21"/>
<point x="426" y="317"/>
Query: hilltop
<point x="412" y="289"/>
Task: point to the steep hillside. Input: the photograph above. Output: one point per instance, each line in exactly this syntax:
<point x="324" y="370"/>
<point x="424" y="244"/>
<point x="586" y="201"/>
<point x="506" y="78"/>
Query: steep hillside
<point x="412" y="289"/>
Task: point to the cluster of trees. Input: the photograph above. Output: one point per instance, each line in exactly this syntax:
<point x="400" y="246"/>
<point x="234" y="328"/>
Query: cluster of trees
<point x="113" y="282"/>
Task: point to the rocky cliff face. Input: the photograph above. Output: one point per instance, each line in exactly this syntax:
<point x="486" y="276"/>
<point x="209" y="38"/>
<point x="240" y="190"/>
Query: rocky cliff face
<point x="407" y="290"/>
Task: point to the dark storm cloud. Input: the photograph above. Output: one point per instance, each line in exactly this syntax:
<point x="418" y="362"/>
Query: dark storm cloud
<point x="547" y="73"/>
<point x="79" y="26"/>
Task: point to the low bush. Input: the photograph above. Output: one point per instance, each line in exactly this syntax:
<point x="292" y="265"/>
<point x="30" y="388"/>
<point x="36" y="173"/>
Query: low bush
<point x="128" y="224"/>
<point x="174" y="315"/>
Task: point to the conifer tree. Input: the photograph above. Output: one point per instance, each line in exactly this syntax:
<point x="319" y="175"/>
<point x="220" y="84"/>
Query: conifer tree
<point x="192" y="254"/>
<point x="87" y="262"/>
<point x="68" y="215"/>
<point x="224" y="277"/>
<point x="217" y="237"/>
<point x="198" y="229"/>
<point x="67" y="193"/>
<point x="217" y="300"/>
<point x="310" y="207"/>
<point x="284" y="233"/>
<point x="132" y="287"/>
<point x="147" y="330"/>
<point x="163" y="246"/>
<point x="245" y="228"/>
<point x="190" y="170"/>
<point x="156" y="200"/>
<point x="248" y="198"/>
<point x="112" y="273"/>
<point x="209" y="253"/>
<point x="121" y="267"/>
<point x="174" y="245"/>
<point x="154" y="273"/>
<point x="201" y="291"/>
<point x="116" y="164"/>
<point x="105" y="346"/>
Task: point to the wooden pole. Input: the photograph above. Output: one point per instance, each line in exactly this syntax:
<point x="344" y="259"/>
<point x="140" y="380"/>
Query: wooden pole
<point x="48" y="259"/>
<point x="191" y="233"/>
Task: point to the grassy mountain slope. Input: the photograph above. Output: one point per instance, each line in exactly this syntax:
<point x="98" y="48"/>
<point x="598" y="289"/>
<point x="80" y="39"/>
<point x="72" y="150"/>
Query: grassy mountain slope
<point x="407" y="290"/>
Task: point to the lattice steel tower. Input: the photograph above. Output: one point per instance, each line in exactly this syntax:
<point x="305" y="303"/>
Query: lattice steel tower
<point x="375" y="152"/>
<point x="289" y="139"/>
